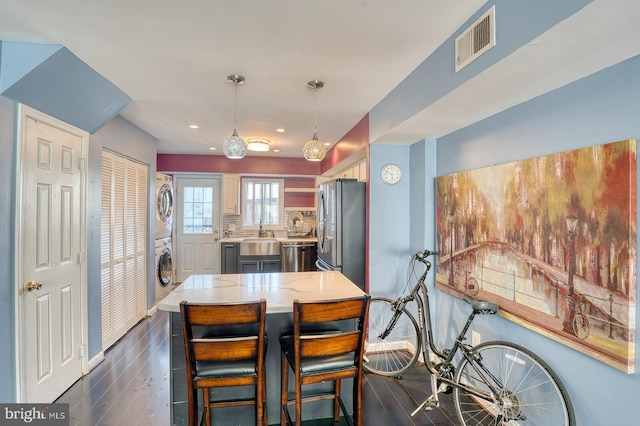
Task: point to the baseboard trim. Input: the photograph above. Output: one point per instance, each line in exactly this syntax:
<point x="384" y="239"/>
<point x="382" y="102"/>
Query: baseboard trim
<point x="97" y="359"/>
<point x="151" y="312"/>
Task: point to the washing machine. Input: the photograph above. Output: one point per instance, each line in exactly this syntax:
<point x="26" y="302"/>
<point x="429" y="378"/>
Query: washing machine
<point x="164" y="268"/>
<point x="164" y="205"/>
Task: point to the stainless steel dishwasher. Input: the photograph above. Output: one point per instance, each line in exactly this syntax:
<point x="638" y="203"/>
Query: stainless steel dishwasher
<point x="298" y="256"/>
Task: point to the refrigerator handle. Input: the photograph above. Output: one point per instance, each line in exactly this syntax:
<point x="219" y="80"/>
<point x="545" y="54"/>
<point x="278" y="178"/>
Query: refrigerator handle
<point x="324" y="266"/>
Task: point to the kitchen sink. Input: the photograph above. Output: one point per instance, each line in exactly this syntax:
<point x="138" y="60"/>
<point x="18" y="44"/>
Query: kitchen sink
<point x="259" y="247"/>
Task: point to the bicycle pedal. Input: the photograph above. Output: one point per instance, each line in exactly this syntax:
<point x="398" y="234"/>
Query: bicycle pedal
<point x="428" y="405"/>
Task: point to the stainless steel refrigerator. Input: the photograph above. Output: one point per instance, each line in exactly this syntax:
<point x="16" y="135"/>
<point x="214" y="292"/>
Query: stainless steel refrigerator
<point x="341" y="226"/>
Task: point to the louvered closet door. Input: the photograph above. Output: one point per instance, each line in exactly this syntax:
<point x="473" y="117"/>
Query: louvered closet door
<point x="141" y="241"/>
<point x="106" y="225"/>
<point x="124" y="264"/>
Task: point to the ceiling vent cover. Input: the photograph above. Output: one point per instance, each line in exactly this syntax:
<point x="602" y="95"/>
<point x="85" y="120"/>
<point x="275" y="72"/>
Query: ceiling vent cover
<point x="476" y="40"/>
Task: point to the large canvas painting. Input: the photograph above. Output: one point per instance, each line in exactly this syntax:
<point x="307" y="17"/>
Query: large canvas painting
<point x="552" y="240"/>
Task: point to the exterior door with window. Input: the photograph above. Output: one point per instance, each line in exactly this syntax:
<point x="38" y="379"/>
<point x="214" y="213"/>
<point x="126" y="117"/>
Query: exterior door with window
<point x="197" y="247"/>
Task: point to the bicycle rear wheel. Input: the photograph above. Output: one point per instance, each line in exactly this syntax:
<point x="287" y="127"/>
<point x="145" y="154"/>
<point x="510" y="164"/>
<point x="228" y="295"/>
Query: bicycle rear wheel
<point x="396" y="353"/>
<point x="528" y="391"/>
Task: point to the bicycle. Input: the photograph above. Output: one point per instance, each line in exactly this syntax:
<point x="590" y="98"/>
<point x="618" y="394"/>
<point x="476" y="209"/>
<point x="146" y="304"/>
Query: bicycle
<point x="462" y="278"/>
<point x="495" y="383"/>
<point x="580" y="322"/>
<point x="470" y="285"/>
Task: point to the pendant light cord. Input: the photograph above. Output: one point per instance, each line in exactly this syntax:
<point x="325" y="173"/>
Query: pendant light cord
<point x="315" y="113"/>
<point x="235" y="104"/>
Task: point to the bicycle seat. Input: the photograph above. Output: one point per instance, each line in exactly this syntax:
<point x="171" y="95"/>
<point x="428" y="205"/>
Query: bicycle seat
<point x="484" y="307"/>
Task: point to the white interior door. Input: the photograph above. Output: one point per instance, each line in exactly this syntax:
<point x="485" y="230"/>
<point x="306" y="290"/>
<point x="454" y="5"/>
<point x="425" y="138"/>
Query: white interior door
<point x="52" y="275"/>
<point x="197" y="246"/>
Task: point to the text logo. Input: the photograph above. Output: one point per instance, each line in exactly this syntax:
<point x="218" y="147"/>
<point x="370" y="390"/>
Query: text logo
<point x="34" y="414"/>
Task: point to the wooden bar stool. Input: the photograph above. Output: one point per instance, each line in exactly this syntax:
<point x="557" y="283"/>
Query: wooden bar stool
<point x="225" y="346"/>
<point x="318" y="351"/>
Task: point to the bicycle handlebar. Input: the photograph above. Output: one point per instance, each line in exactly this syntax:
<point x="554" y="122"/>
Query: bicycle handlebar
<point x="422" y="255"/>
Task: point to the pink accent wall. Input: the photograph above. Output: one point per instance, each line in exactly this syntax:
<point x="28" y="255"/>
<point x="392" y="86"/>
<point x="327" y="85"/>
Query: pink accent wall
<point x="186" y="163"/>
<point x="355" y="139"/>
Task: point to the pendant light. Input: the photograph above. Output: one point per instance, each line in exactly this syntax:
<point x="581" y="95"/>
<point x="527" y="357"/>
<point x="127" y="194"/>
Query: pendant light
<point x="314" y="150"/>
<point x="234" y="146"/>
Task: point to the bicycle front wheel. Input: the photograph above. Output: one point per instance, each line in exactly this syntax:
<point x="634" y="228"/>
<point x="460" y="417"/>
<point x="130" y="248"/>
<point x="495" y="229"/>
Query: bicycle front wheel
<point x="526" y="390"/>
<point x="393" y="339"/>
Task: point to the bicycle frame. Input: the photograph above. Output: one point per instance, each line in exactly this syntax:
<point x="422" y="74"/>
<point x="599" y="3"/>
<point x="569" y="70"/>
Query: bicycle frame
<point x="428" y="344"/>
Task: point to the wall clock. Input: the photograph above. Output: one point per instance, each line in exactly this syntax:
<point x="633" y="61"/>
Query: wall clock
<point x="390" y="174"/>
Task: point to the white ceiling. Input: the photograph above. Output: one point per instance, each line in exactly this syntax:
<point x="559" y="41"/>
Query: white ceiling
<point x="173" y="58"/>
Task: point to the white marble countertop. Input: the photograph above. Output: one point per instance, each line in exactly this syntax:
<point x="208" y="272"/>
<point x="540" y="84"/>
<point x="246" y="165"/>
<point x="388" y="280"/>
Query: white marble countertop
<point x="279" y="289"/>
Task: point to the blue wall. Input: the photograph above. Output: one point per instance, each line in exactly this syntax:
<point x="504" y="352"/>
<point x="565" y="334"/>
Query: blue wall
<point x="598" y="109"/>
<point x="389" y="217"/>
<point x="7" y="225"/>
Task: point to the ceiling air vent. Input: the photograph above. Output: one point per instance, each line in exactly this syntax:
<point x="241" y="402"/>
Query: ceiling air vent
<point x="476" y="40"/>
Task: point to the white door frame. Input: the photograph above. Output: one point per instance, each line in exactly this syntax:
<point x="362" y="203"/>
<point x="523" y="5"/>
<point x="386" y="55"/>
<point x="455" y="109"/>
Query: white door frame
<point x="25" y="112"/>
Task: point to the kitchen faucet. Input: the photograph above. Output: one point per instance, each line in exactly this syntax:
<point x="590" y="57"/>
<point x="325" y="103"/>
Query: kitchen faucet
<point x="262" y="232"/>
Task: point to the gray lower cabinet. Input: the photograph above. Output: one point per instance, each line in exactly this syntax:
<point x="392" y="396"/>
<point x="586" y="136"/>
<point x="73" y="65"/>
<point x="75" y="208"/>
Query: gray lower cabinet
<point x="233" y="263"/>
<point x="251" y="264"/>
<point x="229" y="261"/>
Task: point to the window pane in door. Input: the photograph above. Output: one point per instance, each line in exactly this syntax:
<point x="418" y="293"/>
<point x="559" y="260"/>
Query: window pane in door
<point x="198" y="210"/>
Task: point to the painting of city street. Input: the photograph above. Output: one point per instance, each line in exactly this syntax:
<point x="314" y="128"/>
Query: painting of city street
<point x="552" y="240"/>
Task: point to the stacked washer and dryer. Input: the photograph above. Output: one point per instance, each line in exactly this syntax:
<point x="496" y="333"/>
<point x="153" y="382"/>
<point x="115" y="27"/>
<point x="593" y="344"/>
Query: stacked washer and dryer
<point x="164" y="222"/>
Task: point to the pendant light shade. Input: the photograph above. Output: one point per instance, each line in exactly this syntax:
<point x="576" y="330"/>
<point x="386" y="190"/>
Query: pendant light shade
<point x="314" y="150"/>
<point x="234" y="146"/>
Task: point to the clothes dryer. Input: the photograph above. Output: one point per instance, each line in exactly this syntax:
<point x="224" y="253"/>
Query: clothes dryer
<point x="164" y="205"/>
<point x="163" y="269"/>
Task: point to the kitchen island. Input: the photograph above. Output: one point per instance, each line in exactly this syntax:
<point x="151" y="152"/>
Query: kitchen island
<point x="279" y="290"/>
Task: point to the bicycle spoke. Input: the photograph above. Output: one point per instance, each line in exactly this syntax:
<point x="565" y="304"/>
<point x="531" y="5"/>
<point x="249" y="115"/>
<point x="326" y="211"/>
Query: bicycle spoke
<point x="399" y="350"/>
<point x="526" y="390"/>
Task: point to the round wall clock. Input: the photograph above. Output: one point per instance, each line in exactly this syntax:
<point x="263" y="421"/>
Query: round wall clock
<point x="390" y="174"/>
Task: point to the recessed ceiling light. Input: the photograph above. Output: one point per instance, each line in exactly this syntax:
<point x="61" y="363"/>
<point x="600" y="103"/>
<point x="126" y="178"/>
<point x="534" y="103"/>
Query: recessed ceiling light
<point x="194" y="126"/>
<point x="276" y="150"/>
<point x="212" y="148"/>
<point x="327" y="144"/>
<point x="281" y="130"/>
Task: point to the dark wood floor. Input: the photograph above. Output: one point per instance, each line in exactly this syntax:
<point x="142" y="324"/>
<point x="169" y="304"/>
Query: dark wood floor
<point x="131" y="387"/>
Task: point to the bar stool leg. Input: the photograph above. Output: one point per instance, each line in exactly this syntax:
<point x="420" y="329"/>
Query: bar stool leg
<point x="298" y="402"/>
<point x="336" y="401"/>
<point x="207" y="409"/>
<point x="284" y="390"/>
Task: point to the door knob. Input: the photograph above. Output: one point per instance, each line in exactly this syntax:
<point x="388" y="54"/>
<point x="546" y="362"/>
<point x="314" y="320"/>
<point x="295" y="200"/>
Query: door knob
<point x="33" y="286"/>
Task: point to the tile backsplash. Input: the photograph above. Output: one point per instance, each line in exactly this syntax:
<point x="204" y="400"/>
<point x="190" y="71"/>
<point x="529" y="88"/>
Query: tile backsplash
<point x="232" y="225"/>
